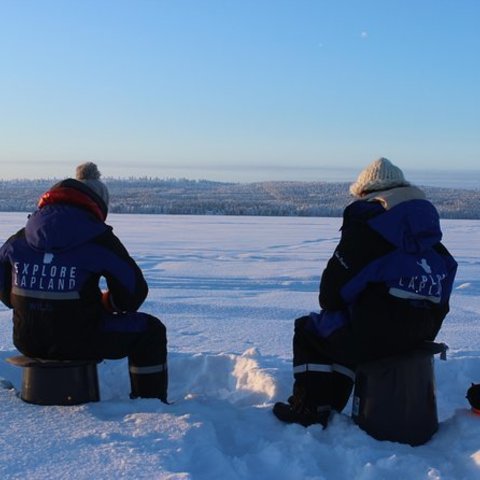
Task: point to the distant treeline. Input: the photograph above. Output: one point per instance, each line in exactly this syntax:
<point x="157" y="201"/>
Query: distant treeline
<point x="203" y="197"/>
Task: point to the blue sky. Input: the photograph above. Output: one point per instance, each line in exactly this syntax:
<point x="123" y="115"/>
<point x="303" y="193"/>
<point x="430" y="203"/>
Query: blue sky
<point x="237" y="90"/>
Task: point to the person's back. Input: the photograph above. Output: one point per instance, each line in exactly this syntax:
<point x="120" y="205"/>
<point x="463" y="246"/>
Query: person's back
<point x="395" y="275"/>
<point x="385" y="289"/>
<point x="50" y="273"/>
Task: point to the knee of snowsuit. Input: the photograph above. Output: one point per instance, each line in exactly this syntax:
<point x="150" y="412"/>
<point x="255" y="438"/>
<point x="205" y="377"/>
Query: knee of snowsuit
<point x="143" y="339"/>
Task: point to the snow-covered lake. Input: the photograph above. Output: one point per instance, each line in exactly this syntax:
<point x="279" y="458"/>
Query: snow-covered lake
<point x="228" y="289"/>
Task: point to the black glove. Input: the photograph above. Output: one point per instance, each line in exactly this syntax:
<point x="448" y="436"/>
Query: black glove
<point x="473" y="396"/>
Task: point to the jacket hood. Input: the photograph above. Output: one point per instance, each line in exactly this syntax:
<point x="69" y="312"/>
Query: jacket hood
<point x="74" y="192"/>
<point x="60" y="227"/>
<point x="410" y="222"/>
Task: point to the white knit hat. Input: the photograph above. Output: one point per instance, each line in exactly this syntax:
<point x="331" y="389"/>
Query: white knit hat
<point x="89" y="175"/>
<point x="381" y="174"/>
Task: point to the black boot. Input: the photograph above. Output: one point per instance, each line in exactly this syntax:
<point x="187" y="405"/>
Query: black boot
<point x="149" y="385"/>
<point x="304" y="415"/>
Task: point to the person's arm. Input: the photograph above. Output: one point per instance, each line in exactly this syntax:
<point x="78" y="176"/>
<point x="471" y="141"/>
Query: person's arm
<point x="127" y="288"/>
<point x="359" y="245"/>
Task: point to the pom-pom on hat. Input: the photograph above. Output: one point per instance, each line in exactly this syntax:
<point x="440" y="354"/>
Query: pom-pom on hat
<point x="89" y="175"/>
<point x="381" y="174"/>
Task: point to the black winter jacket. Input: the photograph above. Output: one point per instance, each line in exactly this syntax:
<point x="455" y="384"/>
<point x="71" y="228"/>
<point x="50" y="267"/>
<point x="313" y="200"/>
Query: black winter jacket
<point x="50" y="272"/>
<point x="390" y="277"/>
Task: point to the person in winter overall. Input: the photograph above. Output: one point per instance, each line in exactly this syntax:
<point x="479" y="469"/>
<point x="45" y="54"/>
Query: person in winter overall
<point x="50" y="273"/>
<point x="385" y="290"/>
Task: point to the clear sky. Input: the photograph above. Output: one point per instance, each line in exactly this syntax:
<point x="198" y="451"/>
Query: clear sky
<point x="237" y="89"/>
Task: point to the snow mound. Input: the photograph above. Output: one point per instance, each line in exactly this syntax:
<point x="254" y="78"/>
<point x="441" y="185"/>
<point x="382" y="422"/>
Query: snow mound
<point x="238" y="379"/>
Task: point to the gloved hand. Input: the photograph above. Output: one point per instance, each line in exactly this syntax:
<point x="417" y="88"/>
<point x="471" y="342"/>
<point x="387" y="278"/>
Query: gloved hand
<point x="107" y="302"/>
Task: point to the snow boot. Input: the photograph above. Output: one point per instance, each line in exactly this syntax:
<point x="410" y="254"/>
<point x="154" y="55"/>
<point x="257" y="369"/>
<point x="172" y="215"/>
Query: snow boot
<point x="305" y="417"/>
<point x="149" y="385"/>
<point x="298" y="410"/>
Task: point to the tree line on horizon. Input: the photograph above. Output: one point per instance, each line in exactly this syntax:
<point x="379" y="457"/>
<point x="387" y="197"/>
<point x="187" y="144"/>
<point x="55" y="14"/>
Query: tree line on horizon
<point x="204" y="197"/>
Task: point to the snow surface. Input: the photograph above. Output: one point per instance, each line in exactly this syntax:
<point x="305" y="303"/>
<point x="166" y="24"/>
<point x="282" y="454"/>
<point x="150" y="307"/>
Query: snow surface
<point x="228" y="289"/>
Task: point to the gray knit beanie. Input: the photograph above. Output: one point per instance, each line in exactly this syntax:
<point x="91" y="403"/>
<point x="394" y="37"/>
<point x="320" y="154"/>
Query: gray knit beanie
<point x="379" y="175"/>
<point x="89" y="175"/>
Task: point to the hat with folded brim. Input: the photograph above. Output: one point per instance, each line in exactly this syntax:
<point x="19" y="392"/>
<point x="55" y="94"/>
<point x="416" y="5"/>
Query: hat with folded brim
<point x="380" y="175"/>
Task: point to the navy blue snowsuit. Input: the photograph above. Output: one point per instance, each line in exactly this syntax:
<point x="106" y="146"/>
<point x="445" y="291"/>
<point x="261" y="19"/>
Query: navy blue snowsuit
<point x="385" y="289"/>
<point x="50" y="273"/>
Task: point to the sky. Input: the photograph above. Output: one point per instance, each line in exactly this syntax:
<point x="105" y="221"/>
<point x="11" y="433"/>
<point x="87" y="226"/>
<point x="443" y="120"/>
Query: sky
<point x="237" y="90"/>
